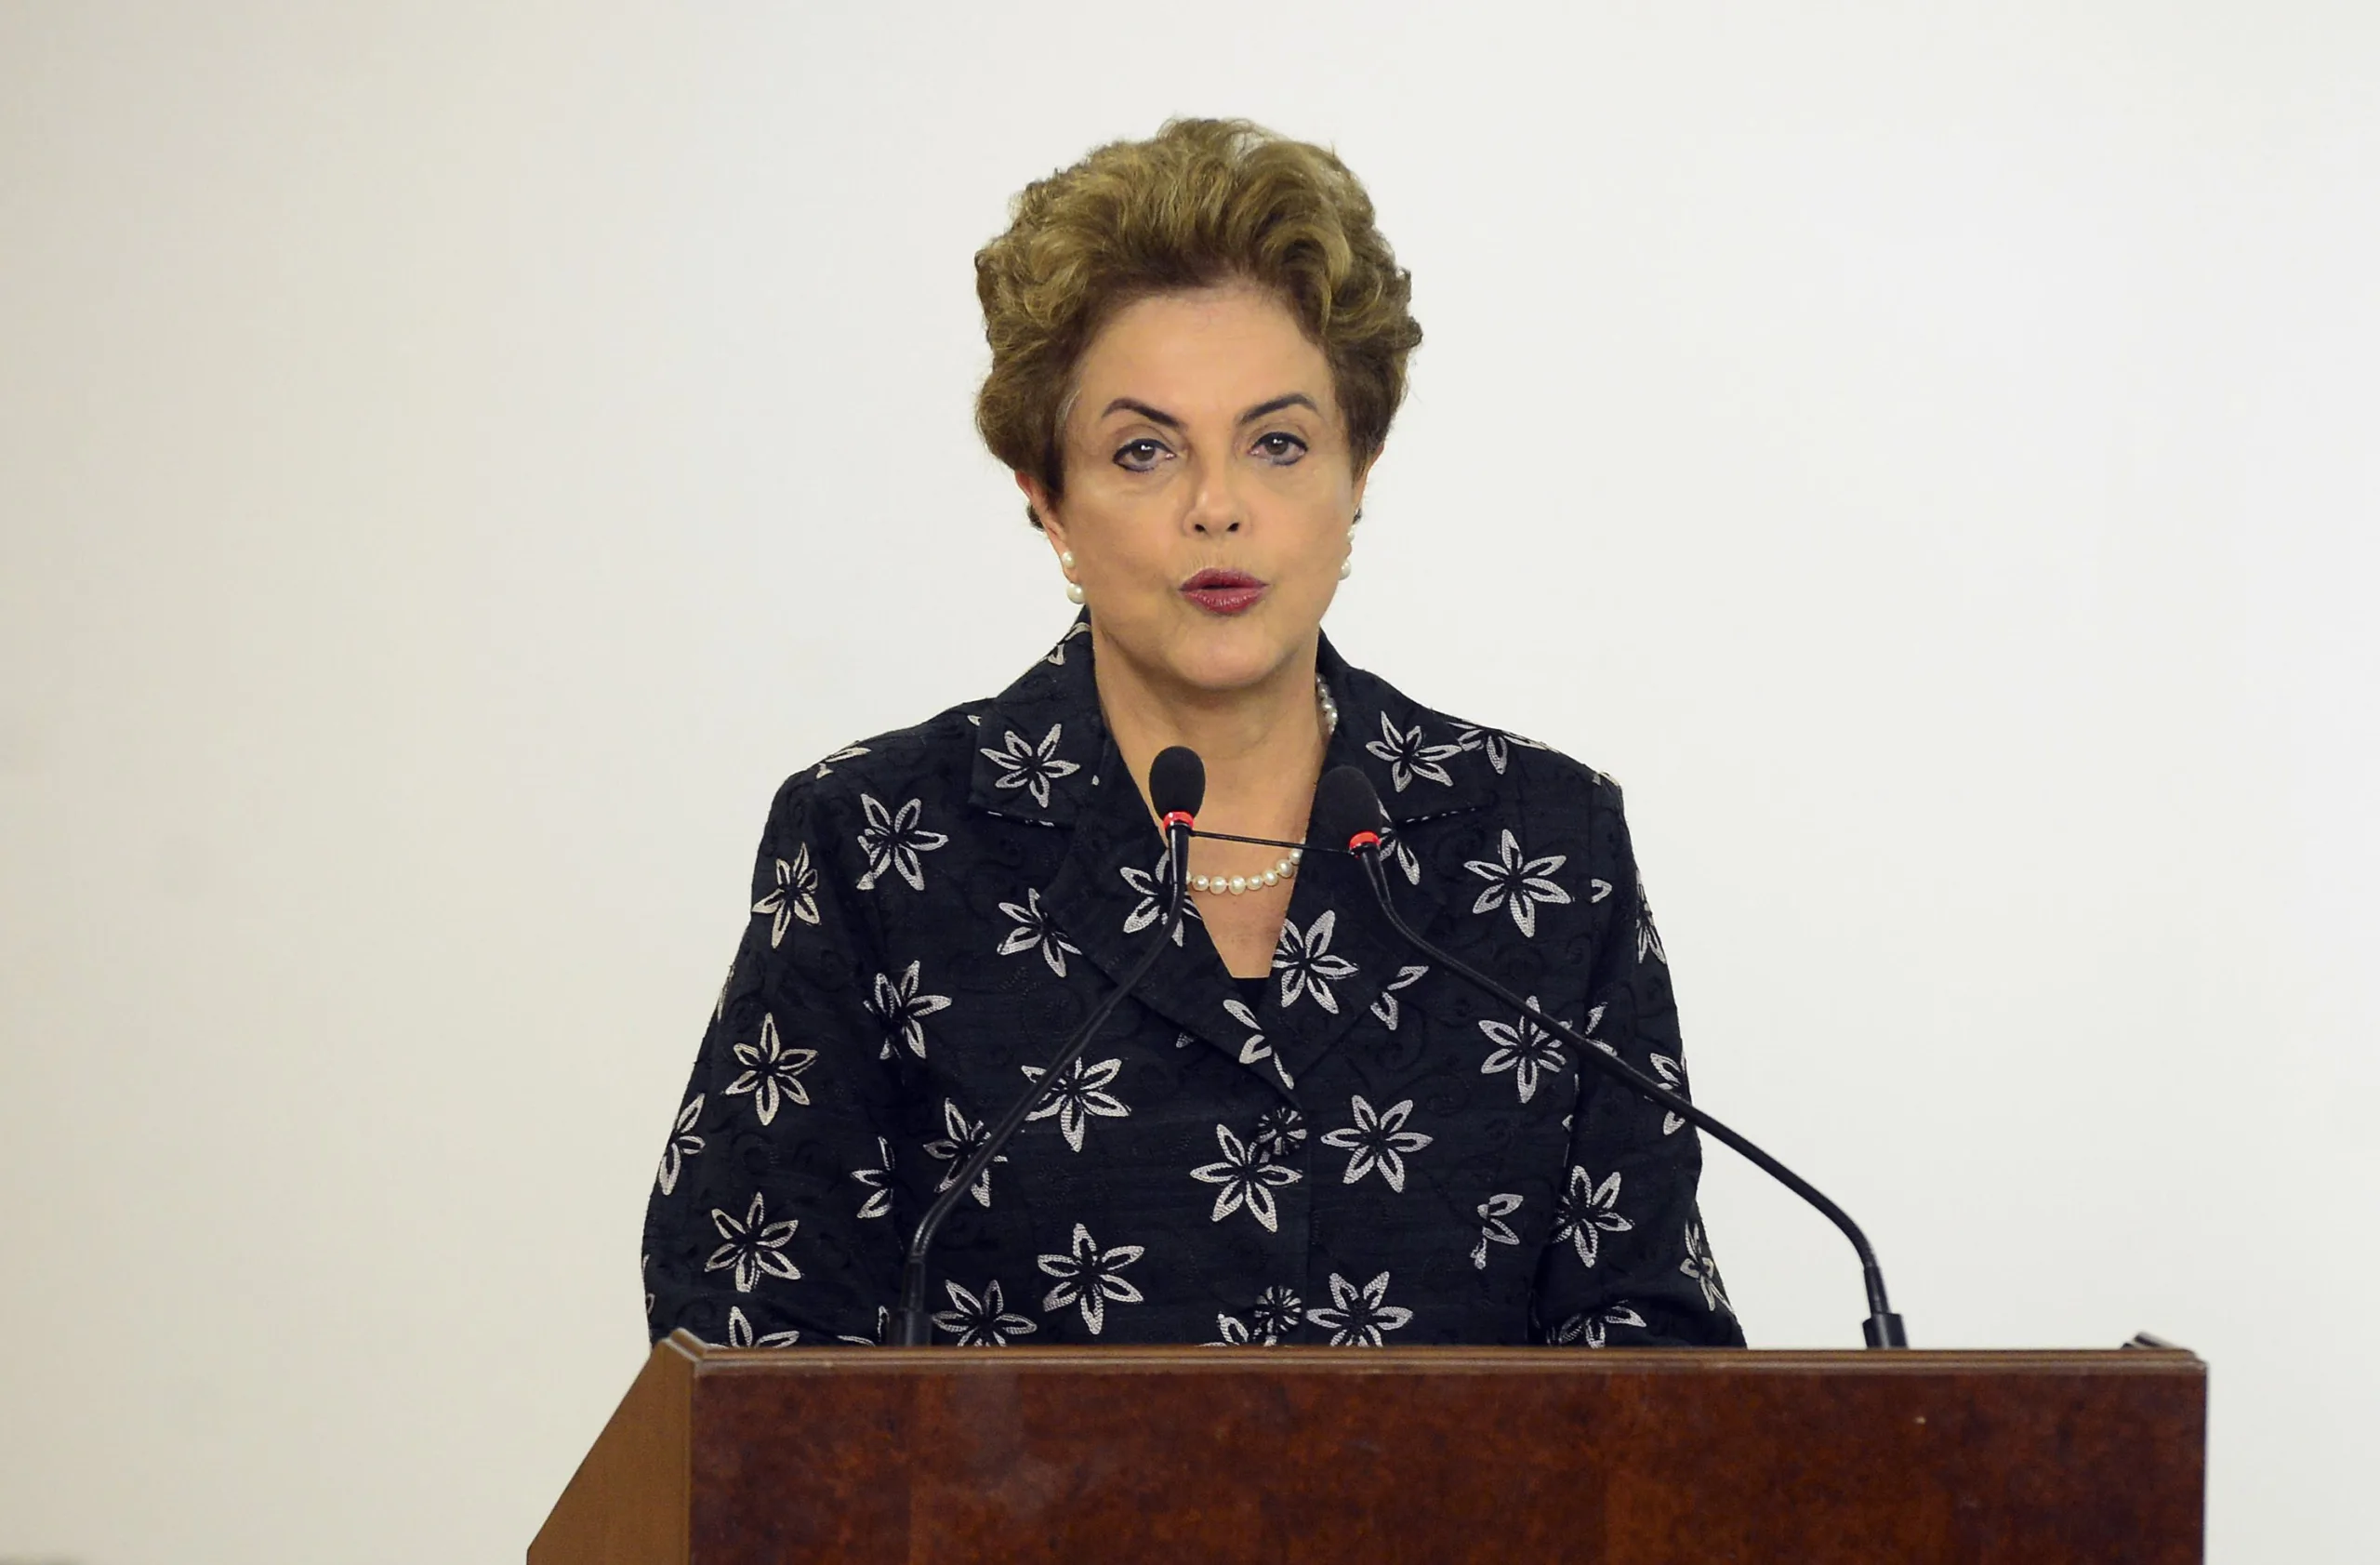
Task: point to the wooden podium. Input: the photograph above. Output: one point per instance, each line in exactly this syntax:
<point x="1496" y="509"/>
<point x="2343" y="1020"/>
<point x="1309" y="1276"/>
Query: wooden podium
<point x="1316" y="1455"/>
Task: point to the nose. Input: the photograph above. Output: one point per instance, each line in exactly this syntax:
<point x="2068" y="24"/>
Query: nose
<point x="1215" y="510"/>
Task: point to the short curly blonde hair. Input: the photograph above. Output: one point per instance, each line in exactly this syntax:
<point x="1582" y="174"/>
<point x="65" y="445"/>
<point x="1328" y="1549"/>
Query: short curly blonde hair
<point x="1201" y="203"/>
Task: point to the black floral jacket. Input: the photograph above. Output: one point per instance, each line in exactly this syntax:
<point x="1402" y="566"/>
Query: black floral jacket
<point x="1365" y="1152"/>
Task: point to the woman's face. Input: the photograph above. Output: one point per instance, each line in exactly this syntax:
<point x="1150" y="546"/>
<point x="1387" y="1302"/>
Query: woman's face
<point x="1210" y="489"/>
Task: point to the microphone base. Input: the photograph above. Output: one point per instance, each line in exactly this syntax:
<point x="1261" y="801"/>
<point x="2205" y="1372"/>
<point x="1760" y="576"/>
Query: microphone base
<point x="1885" y="1331"/>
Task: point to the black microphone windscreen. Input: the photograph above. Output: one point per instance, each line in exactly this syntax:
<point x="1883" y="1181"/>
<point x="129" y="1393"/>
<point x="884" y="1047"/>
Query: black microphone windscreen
<point x="1177" y="781"/>
<point x="1345" y="803"/>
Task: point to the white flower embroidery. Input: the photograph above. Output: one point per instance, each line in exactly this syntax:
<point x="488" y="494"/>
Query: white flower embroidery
<point x="877" y="1182"/>
<point x="1589" y="1328"/>
<point x="1387" y="1007"/>
<point x="883" y="1324"/>
<point x="770" y="1068"/>
<point x="1698" y="1266"/>
<point x="1234" y="1330"/>
<point x="1030" y="767"/>
<point x="1306" y="964"/>
<point x="903" y="1011"/>
<point x="683" y="1144"/>
<point x="893" y="839"/>
<point x="1077" y="1095"/>
<point x="753" y="1246"/>
<point x="1648" y="939"/>
<point x="1278" y="1132"/>
<point x="958" y="1146"/>
<point x="1493" y="741"/>
<point x="1090" y="1277"/>
<point x="1155" y="889"/>
<point x="1274" y="1315"/>
<point x="1377" y="1141"/>
<point x="1585" y="1215"/>
<point x="1518" y="883"/>
<point x="1246" y="1177"/>
<point x="1524" y="1048"/>
<point x="1035" y="932"/>
<point x="1255" y="1049"/>
<point x="1359" y="1318"/>
<point x="849" y="752"/>
<point x="1057" y="659"/>
<point x="981" y="1322"/>
<point x="1400" y="852"/>
<point x="1493" y="1230"/>
<point x="739" y="1332"/>
<point x="795" y="896"/>
<point x="1408" y="758"/>
<point x="1672" y="1076"/>
<point x="1595" y="1019"/>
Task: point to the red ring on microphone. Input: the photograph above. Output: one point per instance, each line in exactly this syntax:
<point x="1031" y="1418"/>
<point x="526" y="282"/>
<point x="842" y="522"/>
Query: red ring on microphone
<point x="1363" y="840"/>
<point x="1177" y="817"/>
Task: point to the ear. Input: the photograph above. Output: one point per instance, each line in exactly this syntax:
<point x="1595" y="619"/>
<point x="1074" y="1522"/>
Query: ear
<point x="1363" y="476"/>
<point x="1037" y="499"/>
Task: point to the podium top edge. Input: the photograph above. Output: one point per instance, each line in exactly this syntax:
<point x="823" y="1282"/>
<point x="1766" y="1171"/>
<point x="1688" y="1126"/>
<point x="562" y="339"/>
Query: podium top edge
<point x="710" y="1360"/>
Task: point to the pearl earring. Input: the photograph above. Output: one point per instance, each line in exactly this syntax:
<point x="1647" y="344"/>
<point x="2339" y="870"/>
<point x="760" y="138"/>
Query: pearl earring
<point x="1066" y="560"/>
<point x="1347" y="567"/>
<point x="1074" y="592"/>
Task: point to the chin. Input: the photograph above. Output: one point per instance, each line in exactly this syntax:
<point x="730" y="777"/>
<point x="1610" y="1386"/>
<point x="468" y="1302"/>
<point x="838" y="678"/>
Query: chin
<point x="1233" y="656"/>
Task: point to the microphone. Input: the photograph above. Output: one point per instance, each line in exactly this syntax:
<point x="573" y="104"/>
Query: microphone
<point x="1346" y="810"/>
<point x="1177" y="786"/>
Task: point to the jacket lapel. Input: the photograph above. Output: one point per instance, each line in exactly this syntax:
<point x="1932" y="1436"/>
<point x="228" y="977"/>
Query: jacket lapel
<point x="1044" y="756"/>
<point x="1338" y="961"/>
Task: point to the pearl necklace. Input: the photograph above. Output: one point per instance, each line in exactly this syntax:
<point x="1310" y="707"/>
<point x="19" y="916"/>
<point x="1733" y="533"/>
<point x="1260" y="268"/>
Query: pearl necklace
<point x="1286" y="867"/>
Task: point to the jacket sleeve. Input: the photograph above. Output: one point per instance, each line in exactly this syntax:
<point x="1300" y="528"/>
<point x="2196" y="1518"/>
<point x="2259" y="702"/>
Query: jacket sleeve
<point x="772" y="1219"/>
<point x="1629" y="1263"/>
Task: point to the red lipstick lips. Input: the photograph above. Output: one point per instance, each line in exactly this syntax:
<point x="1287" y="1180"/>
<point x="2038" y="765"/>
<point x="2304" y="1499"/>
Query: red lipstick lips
<point x="1224" y="592"/>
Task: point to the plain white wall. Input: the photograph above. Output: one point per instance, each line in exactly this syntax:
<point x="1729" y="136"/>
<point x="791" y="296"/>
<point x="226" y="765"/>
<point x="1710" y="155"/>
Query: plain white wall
<point x="455" y="461"/>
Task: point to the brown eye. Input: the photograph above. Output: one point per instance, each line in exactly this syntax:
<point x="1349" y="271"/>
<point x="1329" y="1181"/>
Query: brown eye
<point x="1280" y="446"/>
<point x="1141" y="456"/>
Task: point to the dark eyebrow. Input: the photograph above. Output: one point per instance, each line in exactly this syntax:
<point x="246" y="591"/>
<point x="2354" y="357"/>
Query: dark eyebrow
<point x="1127" y="405"/>
<point x="1295" y="399"/>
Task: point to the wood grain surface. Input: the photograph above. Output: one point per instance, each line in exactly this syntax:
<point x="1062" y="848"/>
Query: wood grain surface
<point x="1385" y="1456"/>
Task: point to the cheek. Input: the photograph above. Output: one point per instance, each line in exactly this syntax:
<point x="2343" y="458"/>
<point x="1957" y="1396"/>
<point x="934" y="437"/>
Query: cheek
<point x="1319" y="528"/>
<point x="1126" y="550"/>
<point x="1306" y="574"/>
<point x="1322" y="493"/>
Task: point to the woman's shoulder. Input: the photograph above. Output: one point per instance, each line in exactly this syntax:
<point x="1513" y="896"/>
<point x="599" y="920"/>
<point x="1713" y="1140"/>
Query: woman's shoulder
<point x="1507" y="819"/>
<point x="1033" y="752"/>
<point x="927" y="763"/>
<point x="1475" y="761"/>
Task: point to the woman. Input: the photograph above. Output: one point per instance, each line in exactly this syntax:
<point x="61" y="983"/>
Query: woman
<point x="1294" y="1130"/>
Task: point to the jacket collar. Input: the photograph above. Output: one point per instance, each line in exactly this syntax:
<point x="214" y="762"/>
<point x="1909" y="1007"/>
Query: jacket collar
<point x="1043" y="741"/>
<point x="1043" y="755"/>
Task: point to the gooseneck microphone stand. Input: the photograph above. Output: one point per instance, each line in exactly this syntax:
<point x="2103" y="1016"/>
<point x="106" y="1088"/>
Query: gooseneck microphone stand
<point x="1347" y="810"/>
<point x="1177" y="784"/>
